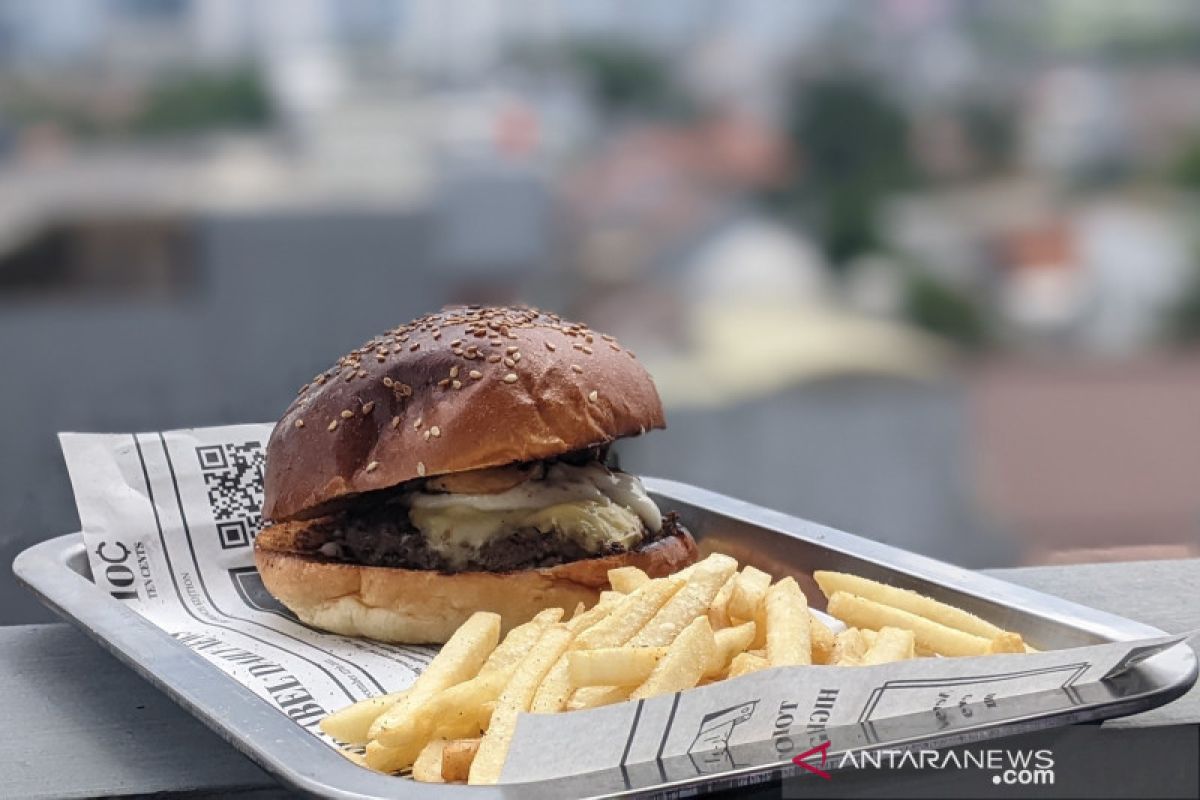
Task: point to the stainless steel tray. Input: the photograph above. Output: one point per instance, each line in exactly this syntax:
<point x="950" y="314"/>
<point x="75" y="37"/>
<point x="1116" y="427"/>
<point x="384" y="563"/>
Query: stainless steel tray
<point x="57" y="572"/>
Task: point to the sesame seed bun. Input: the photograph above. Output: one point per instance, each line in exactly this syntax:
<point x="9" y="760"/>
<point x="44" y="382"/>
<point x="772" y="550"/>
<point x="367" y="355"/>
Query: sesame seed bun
<point x="426" y="606"/>
<point x="464" y="389"/>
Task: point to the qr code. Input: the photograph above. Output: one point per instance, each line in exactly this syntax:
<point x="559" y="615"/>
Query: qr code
<point x="233" y="474"/>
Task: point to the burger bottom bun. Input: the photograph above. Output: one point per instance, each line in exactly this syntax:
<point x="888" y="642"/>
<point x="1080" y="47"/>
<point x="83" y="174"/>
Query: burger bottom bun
<point x="424" y="607"/>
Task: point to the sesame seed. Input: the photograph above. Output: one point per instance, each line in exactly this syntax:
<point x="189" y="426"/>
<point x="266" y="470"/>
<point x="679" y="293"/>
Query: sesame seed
<point x="516" y="356"/>
<point x="608" y="338"/>
<point x="436" y="431"/>
<point x="510" y="377"/>
<point x="615" y="349"/>
<point x="508" y="362"/>
<point x="417" y="423"/>
<point x="493" y="359"/>
<point x="299" y="423"/>
<point x="395" y="422"/>
<point x="456" y="384"/>
<point x="362" y="373"/>
<point x="577" y="368"/>
<point x="456" y="343"/>
<point x="347" y="414"/>
<point x="475" y="374"/>
<point x="388" y="382"/>
<point x="333" y="425"/>
<point x="593" y="395"/>
<point x="454" y="371"/>
<point x="421" y="468"/>
<point x="414" y="347"/>
<point x="321" y="378"/>
<point x="511" y="350"/>
<point x="368" y="407"/>
<point x="587" y="350"/>
<point x="550" y="346"/>
<point x="427" y="436"/>
<point x="372" y="466"/>
<point x="443" y="383"/>
<point x="405" y="389"/>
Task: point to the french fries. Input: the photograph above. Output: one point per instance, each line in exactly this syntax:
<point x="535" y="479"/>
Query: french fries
<point x="458" y="710"/>
<point x="745" y="663"/>
<point x="684" y="662"/>
<point x="730" y="642"/>
<point x="630" y="615"/>
<point x="789" y="625"/>
<point x="718" y="610"/>
<point x="352" y="723"/>
<point x="516" y="697"/>
<point x="822" y="640"/>
<point x="459" y="659"/>
<point x="892" y="644"/>
<point x="849" y="646"/>
<point x="933" y="636"/>
<point x="646" y="637"/>
<point x="748" y="592"/>
<point x="906" y="600"/>
<point x="614" y="666"/>
<point x="457" y="757"/>
<point x="626" y="579"/>
<point x="686" y="604"/>
<point x="428" y="766"/>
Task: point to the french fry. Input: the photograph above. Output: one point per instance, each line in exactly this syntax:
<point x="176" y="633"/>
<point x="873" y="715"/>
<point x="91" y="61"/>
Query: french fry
<point x="730" y="642"/>
<point x="583" y="621"/>
<point x="357" y="758"/>
<point x="822" y="640"/>
<point x="718" y="611"/>
<point x="892" y="644"/>
<point x="685" y="662"/>
<point x="556" y="687"/>
<point x="745" y="663"/>
<point x="748" y="592"/>
<point x="688" y="603"/>
<point x="351" y="724"/>
<point x="789" y="625"/>
<point x="932" y="636"/>
<point x="457" y="711"/>
<point x="428" y="766"/>
<point x="613" y="666"/>
<point x="760" y="628"/>
<point x="596" y="696"/>
<point x="459" y="659"/>
<point x="516" y="697"/>
<point x="626" y="579"/>
<point x="629" y="615"/>
<point x="457" y="758"/>
<point x="849" y="646"/>
<point x="906" y="600"/>
<point x="1007" y="642"/>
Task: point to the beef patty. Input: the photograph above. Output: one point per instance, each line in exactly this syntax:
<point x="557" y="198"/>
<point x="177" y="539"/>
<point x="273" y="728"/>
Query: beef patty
<point x="382" y="536"/>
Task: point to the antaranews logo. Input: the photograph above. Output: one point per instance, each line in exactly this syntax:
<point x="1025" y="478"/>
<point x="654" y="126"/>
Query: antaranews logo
<point x="1017" y="767"/>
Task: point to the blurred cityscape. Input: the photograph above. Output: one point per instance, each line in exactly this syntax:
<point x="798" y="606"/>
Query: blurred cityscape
<point x="922" y="270"/>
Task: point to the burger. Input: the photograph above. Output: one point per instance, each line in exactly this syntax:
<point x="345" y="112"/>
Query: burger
<point x="460" y="463"/>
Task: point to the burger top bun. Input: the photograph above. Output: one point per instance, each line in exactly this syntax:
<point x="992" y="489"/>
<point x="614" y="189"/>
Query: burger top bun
<point x="466" y="388"/>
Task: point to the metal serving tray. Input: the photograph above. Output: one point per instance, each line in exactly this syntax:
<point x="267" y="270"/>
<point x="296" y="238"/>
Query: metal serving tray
<point x="57" y="572"/>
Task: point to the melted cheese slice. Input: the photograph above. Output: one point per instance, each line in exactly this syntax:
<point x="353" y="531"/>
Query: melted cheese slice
<point x="589" y="505"/>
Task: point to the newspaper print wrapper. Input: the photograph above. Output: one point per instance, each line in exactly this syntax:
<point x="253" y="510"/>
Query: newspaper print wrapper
<point x="169" y="521"/>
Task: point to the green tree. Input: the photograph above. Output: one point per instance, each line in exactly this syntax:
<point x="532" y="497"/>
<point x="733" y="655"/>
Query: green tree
<point x="197" y="102"/>
<point x="853" y="151"/>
